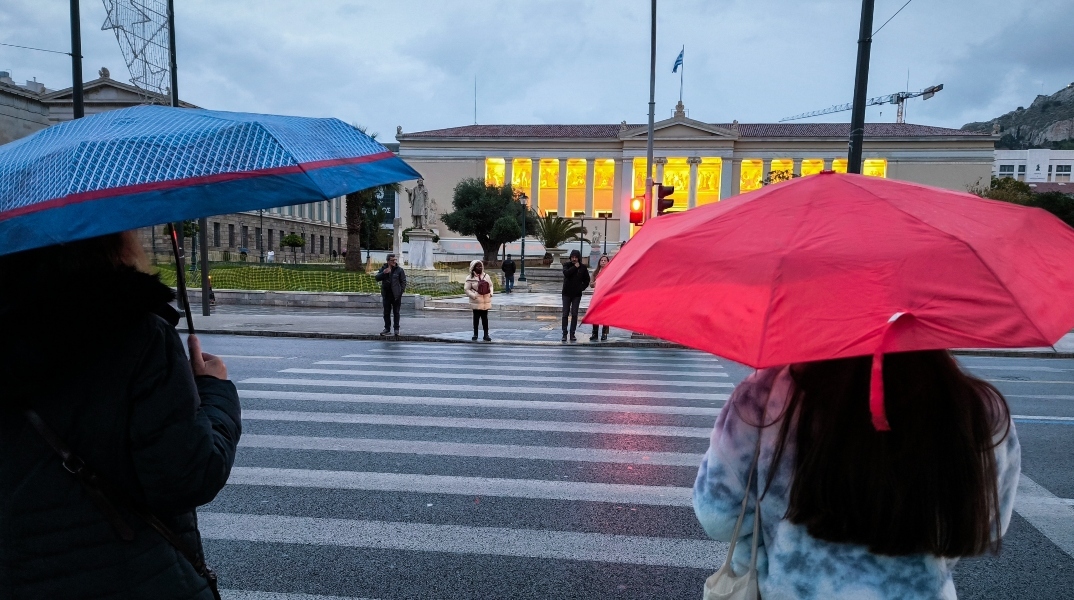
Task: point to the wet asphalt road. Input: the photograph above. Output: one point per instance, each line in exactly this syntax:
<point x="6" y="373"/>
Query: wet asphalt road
<point x="402" y="470"/>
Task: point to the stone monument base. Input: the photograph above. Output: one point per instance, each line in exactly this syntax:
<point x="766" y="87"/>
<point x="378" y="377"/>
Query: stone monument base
<point x="421" y="249"/>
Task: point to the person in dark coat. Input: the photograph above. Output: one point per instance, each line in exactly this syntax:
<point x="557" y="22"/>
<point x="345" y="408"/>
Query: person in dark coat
<point x="90" y="345"/>
<point x="508" y="268"/>
<point x="575" y="281"/>
<point x="392" y="280"/>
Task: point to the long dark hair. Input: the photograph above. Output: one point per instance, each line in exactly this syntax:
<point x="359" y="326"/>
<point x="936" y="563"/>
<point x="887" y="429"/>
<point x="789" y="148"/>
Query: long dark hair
<point x="927" y="486"/>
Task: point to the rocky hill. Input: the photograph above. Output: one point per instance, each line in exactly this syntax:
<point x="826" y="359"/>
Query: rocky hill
<point x="1047" y="123"/>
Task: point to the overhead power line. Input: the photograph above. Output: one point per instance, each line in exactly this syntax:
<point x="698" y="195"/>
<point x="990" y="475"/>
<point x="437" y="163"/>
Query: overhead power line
<point x="38" y="49"/>
<point x="891" y="17"/>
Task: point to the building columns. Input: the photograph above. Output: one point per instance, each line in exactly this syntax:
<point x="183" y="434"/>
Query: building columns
<point x="535" y="182"/>
<point x="731" y="177"/>
<point x="827" y="164"/>
<point x="508" y="171"/>
<point x="626" y="194"/>
<point x="561" y="207"/>
<point x="766" y="169"/>
<point x="691" y="197"/>
<point x="590" y="168"/>
<point x="797" y="169"/>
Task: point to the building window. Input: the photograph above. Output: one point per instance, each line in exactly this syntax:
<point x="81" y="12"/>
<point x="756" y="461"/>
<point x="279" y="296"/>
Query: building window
<point x="604" y="214"/>
<point x="521" y="175"/>
<point x="244" y="237"/>
<point x="270" y="240"/>
<point x="230" y="235"/>
<point x="1006" y="171"/>
<point x="322" y="245"/>
<point x="750" y="175"/>
<point x="709" y="174"/>
<point x="839" y="165"/>
<point x="812" y="166"/>
<point x="1021" y="173"/>
<point x="339" y="211"/>
<point x="1050" y="173"/>
<point x="494" y="171"/>
<point x="551" y="213"/>
<point x="603" y="185"/>
<point x="1062" y="172"/>
<point x="875" y="167"/>
<point x="216" y="235"/>
<point x="781" y="169"/>
<point x="257" y="237"/>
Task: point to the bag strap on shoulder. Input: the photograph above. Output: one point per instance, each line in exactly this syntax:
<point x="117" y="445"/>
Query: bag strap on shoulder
<point x="103" y="497"/>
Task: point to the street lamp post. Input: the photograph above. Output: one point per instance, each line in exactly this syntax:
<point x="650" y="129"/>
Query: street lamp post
<point x="581" y="237"/>
<point x="525" y="208"/>
<point x="605" y="249"/>
<point x="261" y="233"/>
<point x="330" y="257"/>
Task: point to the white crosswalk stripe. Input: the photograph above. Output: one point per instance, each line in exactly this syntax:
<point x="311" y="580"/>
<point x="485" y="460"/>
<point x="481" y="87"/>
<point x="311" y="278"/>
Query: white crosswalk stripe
<point x="453" y="460"/>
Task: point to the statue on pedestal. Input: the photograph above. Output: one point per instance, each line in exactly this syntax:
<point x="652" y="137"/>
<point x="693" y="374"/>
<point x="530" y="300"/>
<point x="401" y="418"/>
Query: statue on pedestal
<point x="418" y="197"/>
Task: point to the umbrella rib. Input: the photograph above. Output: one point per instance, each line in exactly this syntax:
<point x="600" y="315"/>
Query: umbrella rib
<point x="968" y="246"/>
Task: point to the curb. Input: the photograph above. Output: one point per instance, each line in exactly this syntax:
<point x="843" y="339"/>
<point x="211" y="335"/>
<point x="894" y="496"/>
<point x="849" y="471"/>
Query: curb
<point x="372" y="337"/>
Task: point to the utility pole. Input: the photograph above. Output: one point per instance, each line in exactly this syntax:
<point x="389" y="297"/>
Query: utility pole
<point x="652" y="112"/>
<point x="861" y="83"/>
<point x="76" y="62"/>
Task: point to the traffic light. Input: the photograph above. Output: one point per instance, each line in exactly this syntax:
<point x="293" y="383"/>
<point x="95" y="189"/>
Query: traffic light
<point x="637" y="210"/>
<point x="663" y="203"/>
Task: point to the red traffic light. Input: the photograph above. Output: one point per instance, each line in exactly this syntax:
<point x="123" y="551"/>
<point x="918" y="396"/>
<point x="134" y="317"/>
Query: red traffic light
<point x="663" y="203"/>
<point x="637" y="211"/>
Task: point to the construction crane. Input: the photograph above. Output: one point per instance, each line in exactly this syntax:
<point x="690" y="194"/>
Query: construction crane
<point x="899" y="98"/>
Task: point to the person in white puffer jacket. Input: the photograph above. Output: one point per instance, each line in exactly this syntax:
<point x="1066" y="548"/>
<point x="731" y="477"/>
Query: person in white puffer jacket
<point x="479" y="281"/>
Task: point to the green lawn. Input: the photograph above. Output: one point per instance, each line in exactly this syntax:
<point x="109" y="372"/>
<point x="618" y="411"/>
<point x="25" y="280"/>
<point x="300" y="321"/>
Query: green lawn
<point x="305" y="278"/>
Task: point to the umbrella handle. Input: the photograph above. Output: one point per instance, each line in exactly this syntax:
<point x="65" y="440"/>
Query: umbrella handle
<point x="180" y="280"/>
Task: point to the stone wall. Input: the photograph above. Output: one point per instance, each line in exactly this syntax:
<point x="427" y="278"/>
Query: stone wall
<point x="345" y="300"/>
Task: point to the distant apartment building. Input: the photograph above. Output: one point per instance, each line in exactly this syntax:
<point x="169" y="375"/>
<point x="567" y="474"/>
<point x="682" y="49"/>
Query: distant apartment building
<point x="1043" y="170"/>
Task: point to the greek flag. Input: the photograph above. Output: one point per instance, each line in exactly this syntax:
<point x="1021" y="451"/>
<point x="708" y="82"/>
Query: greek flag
<point x="678" y="61"/>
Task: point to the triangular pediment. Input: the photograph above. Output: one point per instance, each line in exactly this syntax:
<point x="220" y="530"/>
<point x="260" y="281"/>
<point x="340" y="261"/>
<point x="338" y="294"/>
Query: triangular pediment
<point x="680" y="128"/>
<point x="105" y="89"/>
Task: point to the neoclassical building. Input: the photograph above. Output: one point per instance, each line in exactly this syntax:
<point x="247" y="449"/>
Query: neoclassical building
<point x="593" y="171"/>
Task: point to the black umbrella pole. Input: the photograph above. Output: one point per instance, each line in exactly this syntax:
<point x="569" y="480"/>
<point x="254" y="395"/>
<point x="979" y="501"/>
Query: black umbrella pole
<point x="180" y="281"/>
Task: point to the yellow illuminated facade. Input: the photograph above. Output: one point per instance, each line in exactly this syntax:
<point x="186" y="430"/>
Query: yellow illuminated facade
<point x="677" y="174"/>
<point x="709" y="173"/>
<point x="839" y="165"/>
<point x="639" y="177"/>
<point x="494" y="171"/>
<point x="875" y="167"/>
<point x="521" y="174"/>
<point x="812" y="166"/>
<point x="603" y="187"/>
<point x="751" y="175"/>
<point x="781" y="169"/>
<point x="548" y="202"/>
<point x="576" y="187"/>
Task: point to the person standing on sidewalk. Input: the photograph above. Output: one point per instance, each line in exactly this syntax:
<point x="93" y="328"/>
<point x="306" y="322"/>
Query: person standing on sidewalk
<point x="575" y="281"/>
<point x="508" y="268"/>
<point x="392" y="280"/>
<point x="478" y="288"/>
<point x="603" y="262"/>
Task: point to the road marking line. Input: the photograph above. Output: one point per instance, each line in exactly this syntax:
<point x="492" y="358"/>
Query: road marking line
<point x="672" y="365"/>
<point x="255" y="595"/>
<point x="1027" y="381"/>
<point x="559" y="349"/>
<point x="467" y="423"/>
<point x="250" y="356"/>
<point x="397" y="375"/>
<point x="1015" y="368"/>
<point x="494" y="351"/>
<point x="521" y="404"/>
<point x="536" y="489"/>
<point x="513" y="368"/>
<point x="1041" y="396"/>
<point x="460" y="539"/>
<point x="1047" y="513"/>
<point x="543" y="390"/>
<point x="1043" y="419"/>
<point x="396" y="446"/>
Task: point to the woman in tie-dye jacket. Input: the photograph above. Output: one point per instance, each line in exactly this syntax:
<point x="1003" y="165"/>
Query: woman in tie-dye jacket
<point x="849" y="512"/>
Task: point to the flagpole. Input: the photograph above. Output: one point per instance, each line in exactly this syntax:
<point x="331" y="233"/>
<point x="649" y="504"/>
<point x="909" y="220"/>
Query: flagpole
<point x="682" y="68"/>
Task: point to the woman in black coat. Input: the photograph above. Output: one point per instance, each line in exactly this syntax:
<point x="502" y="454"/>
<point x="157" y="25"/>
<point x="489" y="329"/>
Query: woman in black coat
<point x="90" y="346"/>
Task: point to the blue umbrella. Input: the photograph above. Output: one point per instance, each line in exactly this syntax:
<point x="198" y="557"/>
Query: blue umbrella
<point x="145" y="165"/>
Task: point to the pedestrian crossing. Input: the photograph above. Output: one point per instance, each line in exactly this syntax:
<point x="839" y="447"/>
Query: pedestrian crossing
<point x="440" y="470"/>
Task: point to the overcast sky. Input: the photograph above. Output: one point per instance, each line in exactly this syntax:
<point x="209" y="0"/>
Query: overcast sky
<point x="413" y="62"/>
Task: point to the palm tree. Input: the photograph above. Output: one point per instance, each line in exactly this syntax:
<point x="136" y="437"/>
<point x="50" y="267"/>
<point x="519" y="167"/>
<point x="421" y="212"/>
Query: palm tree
<point x="354" y="215"/>
<point x="553" y="230"/>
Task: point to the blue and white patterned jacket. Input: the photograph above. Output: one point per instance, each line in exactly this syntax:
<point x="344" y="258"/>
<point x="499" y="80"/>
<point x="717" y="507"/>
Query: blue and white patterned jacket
<point x="791" y="563"/>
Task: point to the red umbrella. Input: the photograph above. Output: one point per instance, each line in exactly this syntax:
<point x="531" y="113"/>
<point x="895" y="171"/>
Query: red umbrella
<point x="838" y="265"/>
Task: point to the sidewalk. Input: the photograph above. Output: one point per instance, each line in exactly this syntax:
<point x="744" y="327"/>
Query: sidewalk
<point x="506" y="326"/>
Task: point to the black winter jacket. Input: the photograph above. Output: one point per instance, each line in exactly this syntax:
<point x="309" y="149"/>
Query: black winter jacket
<point x="393" y="283"/>
<point x="508" y="267"/>
<point x="575" y="279"/>
<point x="111" y="378"/>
